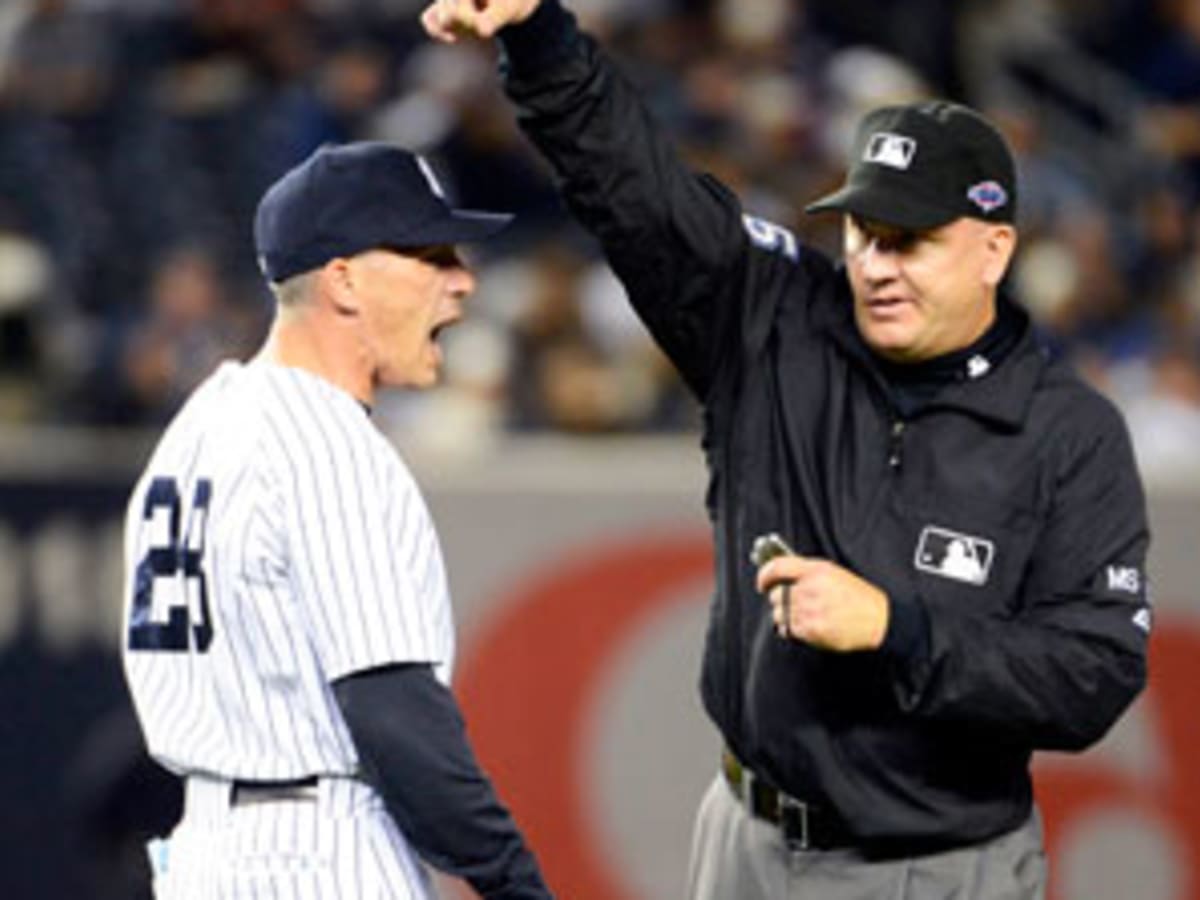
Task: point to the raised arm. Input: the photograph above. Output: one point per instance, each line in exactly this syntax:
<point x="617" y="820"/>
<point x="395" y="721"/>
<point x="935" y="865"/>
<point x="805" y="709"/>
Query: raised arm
<point x="678" y="240"/>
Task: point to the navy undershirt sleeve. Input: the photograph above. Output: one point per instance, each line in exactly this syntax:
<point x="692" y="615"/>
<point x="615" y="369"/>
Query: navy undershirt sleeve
<point x="412" y="741"/>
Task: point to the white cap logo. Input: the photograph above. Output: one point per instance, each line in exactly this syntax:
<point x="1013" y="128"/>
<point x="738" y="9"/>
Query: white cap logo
<point x="427" y="171"/>
<point x="893" y="150"/>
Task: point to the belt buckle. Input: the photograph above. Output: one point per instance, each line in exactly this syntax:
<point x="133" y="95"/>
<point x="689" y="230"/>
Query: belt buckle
<point x="793" y="820"/>
<point x="746" y="789"/>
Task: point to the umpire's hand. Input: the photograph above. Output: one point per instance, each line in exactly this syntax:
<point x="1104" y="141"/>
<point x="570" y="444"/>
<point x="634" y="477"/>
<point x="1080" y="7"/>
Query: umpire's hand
<point x="448" y="20"/>
<point x="824" y="604"/>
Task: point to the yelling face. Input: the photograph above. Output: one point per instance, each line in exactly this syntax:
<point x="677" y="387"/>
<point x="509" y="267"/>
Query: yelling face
<point x="407" y="299"/>
<point x="922" y="294"/>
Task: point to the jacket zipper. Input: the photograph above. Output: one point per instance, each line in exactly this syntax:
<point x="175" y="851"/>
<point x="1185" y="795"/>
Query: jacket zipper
<point x="896" y="444"/>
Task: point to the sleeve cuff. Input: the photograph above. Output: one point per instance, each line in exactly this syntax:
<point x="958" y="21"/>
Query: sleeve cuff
<point x="545" y="37"/>
<point x="907" y="647"/>
<point x="907" y="637"/>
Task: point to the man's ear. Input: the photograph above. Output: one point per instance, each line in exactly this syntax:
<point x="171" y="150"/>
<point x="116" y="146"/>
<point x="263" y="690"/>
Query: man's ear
<point x="1001" y="244"/>
<point x="337" y="283"/>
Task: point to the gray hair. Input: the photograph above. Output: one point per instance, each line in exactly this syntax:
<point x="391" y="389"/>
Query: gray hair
<point x="295" y="291"/>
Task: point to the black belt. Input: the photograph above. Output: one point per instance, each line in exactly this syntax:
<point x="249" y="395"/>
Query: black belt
<point x="804" y="826"/>
<point x="246" y="792"/>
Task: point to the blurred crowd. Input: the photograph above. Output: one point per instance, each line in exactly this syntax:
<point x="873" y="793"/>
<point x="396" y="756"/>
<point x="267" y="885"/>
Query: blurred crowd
<point x="137" y="135"/>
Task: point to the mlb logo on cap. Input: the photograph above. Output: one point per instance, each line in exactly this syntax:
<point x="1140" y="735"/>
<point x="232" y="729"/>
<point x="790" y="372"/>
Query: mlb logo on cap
<point x="923" y="165"/>
<point x="889" y="149"/>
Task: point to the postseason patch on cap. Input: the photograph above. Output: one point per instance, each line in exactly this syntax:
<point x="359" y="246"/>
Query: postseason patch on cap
<point x="988" y="195"/>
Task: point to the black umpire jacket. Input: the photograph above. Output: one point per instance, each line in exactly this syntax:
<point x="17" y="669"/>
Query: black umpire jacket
<point x="1005" y="519"/>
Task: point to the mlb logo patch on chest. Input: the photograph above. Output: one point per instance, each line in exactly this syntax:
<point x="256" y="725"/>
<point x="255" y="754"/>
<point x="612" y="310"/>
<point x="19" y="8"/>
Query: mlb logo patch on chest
<point x="953" y="555"/>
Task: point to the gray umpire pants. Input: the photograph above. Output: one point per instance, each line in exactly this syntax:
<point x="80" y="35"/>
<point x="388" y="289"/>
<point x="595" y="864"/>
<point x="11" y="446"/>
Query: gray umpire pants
<point x="738" y="857"/>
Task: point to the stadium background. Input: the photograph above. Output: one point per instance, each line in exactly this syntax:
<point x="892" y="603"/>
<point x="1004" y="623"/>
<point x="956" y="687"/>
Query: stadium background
<point x="135" y="137"/>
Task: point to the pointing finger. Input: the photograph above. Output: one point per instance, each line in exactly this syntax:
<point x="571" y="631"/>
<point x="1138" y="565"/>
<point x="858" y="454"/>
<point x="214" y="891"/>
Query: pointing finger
<point x="452" y="19"/>
<point x="491" y="17"/>
<point x="434" y="21"/>
<point x="488" y="22"/>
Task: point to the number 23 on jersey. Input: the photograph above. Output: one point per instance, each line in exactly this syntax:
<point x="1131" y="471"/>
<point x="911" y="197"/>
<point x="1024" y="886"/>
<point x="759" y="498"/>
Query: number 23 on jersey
<point x="170" y="589"/>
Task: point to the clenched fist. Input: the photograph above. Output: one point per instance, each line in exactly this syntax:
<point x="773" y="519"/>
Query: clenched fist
<point x="448" y="20"/>
<point x="824" y="604"/>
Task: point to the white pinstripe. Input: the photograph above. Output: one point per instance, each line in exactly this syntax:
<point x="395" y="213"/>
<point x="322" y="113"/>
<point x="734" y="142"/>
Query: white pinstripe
<point x="320" y="559"/>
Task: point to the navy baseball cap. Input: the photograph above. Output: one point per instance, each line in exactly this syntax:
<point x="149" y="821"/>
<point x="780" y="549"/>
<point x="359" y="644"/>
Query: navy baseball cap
<point x="350" y="198"/>
<point x="924" y="165"/>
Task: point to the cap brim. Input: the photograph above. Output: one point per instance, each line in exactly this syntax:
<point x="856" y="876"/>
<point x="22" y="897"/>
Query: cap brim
<point x="879" y="204"/>
<point x="460" y="226"/>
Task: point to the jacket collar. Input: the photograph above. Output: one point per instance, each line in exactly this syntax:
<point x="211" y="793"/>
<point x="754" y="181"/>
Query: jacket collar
<point x="1003" y="394"/>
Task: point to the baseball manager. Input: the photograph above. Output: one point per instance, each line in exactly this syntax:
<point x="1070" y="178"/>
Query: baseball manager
<point x="967" y="582"/>
<point x="288" y="631"/>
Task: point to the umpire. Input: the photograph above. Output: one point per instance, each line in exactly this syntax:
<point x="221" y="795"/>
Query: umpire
<point x="969" y="528"/>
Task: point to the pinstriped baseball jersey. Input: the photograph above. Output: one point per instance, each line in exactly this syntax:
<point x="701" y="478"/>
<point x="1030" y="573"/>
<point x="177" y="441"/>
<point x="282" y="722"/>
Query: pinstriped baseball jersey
<point x="344" y="846"/>
<point x="274" y="543"/>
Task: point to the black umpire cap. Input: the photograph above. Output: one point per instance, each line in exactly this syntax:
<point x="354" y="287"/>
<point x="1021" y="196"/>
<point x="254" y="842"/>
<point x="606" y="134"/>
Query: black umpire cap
<point x="351" y="198"/>
<point x="924" y="165"/>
